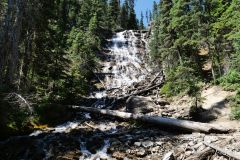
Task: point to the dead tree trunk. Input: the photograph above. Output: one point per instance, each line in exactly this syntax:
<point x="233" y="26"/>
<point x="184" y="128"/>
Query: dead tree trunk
<point x="9" y="42"/>
<point x="13" y="64"/>
<point x="161" y="121"/>
<point x="149" y="88"/>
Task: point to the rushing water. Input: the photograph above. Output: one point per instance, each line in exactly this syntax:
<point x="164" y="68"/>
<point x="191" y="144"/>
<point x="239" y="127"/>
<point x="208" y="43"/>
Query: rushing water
<point x="124" y="66"/>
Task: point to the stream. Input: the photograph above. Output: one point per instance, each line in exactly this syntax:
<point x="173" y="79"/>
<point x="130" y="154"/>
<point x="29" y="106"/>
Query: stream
<point x="124" y="66"/>
<point x="96" y="137"/>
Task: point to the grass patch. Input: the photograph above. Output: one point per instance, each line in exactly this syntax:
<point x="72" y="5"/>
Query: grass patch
<point x="235" y="104"/>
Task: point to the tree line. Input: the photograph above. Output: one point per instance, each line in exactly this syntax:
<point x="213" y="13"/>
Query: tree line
<point x="196" y="41"/>
<point x="48" y="46"/>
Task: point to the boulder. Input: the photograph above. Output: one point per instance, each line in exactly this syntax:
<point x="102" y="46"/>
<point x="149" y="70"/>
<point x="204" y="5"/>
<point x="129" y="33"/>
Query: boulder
<point x="139" y="104"/>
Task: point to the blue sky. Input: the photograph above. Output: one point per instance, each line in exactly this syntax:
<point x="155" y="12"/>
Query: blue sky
<point x="143" y="5"/>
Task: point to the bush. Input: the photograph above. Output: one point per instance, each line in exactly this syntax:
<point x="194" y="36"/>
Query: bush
<point x="231" y="80"/>
<point x="235" y="104"/>
<point x="181" y="81"/>
<point x="14" y="118"/>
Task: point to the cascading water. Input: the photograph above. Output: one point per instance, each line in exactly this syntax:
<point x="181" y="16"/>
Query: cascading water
<point x="125" y="65"/>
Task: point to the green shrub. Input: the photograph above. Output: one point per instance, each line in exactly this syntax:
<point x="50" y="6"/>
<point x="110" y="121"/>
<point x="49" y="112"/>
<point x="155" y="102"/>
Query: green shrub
<point x="236" y="112"/>
<point x="166" y="89"/>
<point x="235" y="104"/>
<point x="182" y="80"/>
<point x="14" y="119"/>
<point x="231" y="80"/>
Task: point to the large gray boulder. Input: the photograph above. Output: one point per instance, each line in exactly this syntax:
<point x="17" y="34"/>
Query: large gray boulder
<point x="139" y="104"/>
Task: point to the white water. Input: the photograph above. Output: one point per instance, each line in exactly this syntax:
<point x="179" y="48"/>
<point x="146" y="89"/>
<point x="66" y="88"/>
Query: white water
<point x="124" y="67"/>
<point x="126" y="64"/>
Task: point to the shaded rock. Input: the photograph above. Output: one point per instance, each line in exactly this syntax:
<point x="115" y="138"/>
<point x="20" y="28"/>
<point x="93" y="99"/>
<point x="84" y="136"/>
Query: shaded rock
<point x="55" y="114"/>
<point x="94" y="144"/>
<point x="21" y="148"/>
<point x="139" y="104"/>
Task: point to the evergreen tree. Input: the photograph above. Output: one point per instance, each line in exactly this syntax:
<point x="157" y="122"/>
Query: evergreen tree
<point x="147" y="16"/>
<point x="150" y="16"/>
<point x="167" y="36"/>
<point x="155" y="9"/>
<point x="114" y="12"/>
<point x="141" y="25"/>
<point x="124" y="14"/>
<point x="132" y="21"/>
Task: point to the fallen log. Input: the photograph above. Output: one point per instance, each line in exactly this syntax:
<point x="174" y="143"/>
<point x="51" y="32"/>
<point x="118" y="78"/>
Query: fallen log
<point x="227" y="153"/>
<point x="161" y="121"/>
<point x="143" y="87"/>
<point x="140" y="91"/>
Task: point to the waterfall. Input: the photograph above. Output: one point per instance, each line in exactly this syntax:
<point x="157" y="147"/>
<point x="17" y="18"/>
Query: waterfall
<point x="125" y="65"/>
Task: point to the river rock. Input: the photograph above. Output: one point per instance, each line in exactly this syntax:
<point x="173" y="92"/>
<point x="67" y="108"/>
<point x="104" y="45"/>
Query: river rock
<point x="141" y="152"/>
<point x="168" y="156"/>
<point x="94" y="144"/>
<point x="147" y="144"/>
<point x="139" y="104"/>
<point x="138" y="144"/>
<point x="118" y="155"/>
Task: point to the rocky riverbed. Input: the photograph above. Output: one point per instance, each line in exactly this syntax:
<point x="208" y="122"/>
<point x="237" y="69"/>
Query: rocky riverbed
<point x="94" y="137"/>
<point x="104" y="138"/>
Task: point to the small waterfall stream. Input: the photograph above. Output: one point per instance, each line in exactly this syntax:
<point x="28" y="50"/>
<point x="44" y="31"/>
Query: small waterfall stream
<point x="124" y="66"/>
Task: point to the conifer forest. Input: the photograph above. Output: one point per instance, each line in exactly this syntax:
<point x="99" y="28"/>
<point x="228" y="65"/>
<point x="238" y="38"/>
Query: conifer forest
<point x="105" y="80"/>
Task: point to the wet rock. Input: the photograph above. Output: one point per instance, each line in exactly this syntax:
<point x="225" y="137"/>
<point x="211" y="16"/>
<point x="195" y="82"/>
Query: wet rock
<point x="139" y="104"/>
<point x="147" y="144"/>
<point x="94" y="144"/>
<point x="138" y="144"/>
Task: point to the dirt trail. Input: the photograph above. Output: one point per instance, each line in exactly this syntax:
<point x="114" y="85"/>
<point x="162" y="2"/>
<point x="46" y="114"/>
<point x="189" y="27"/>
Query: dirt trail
<point x="216" y="105"/>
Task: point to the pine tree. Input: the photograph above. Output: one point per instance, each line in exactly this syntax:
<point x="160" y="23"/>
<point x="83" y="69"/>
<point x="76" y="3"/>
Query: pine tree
<point x="124" y="15"/>
<point x="227" y="32"/>
<point x="150" y="16"/>
<point x="114" y="12"/>
<point x="155" y="10"/>
<point x="147" y="16"/>
<point x="141" y="25"/>
<point x="167" y="36"/>
<point x="132" y="21"/>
